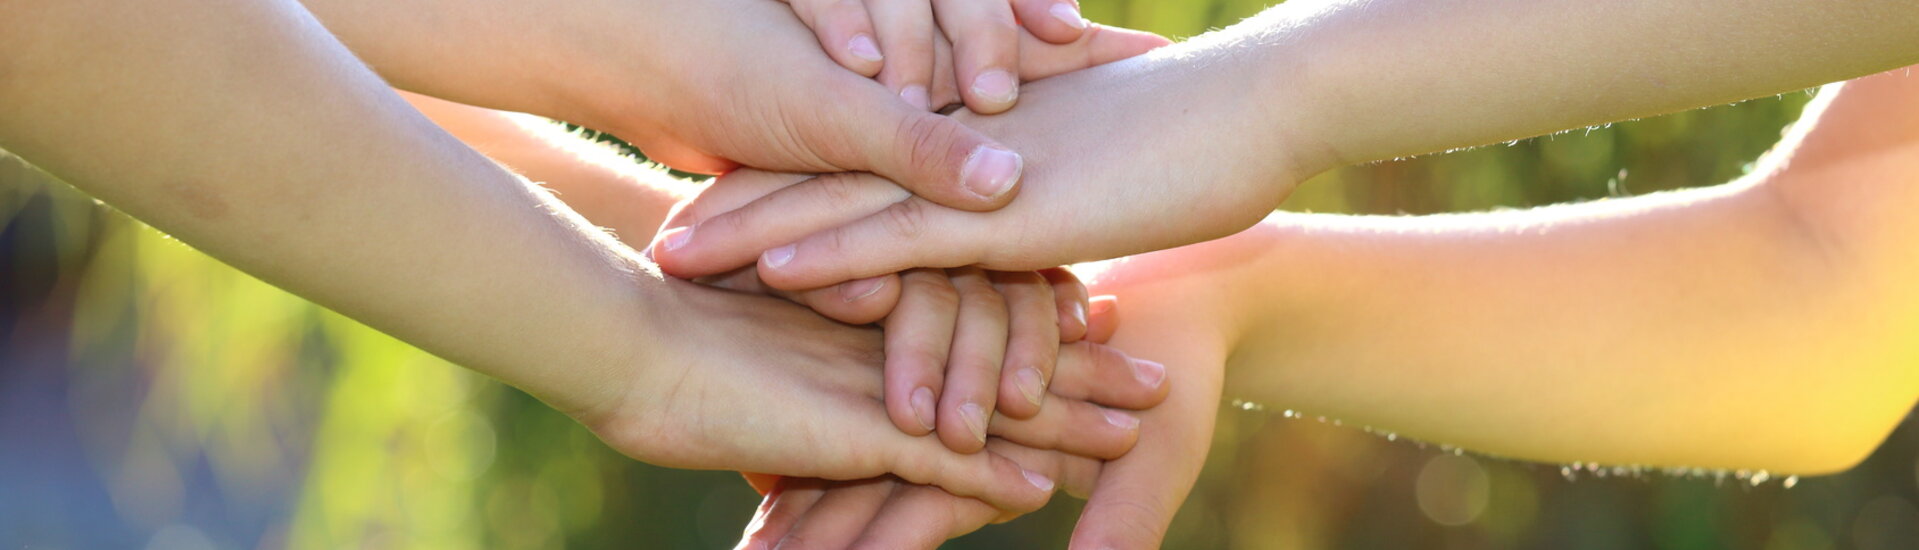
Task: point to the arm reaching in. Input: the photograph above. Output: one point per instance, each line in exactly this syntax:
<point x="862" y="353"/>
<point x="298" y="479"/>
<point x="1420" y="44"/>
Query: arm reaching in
<point x="1762" y="324"/>
<point x="1202" y="139"/>
<point x="244" y="129"/>
<point x="701" y="86"/>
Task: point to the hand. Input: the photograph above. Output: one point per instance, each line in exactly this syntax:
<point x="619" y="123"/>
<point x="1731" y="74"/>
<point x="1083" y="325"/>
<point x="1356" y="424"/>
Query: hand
<point x="1099" y="185"/>
<point x="966" y="339"/>
<point x="813" y="405"/>
<point x="986" y="34"/>
<point x="1132" y="499"/>
<point x="700" y="86"/>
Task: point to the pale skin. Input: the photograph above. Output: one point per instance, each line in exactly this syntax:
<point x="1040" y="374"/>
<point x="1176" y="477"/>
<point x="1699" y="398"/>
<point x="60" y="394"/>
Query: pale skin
<point x="244" y="129"/>
<point x="1762" y="324"/>
<point x="1299" y="89"/>
<point x="682" y="80"/>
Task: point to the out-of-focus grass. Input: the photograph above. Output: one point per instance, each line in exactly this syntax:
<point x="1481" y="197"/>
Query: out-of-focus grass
<point x="150" y="396"/>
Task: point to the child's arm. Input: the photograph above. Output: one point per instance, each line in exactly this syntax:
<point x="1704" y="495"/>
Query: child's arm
<point x="1218" y="130"/>
<point x="1764" y="324"/>
<point x="244" y="129"/>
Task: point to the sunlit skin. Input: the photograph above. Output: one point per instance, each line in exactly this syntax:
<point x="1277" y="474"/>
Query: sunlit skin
<point x="1222" y="127"/>
<point x="1763" y="324"/>
<point x="701" y="86"/>
<point x="246" y="130"/>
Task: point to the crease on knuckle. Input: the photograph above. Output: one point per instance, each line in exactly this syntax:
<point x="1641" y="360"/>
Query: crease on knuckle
<point x="930" y="137"/>
<point x="905" y="220"/>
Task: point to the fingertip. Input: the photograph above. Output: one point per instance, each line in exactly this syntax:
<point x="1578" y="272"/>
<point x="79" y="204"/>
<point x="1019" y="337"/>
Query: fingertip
<point x="992" y="91"/>
<point x="990" y="173"/>
<point x="1102" y="318"/>
<point x="1054" y="21"/>
<point x="1022" y="392"/>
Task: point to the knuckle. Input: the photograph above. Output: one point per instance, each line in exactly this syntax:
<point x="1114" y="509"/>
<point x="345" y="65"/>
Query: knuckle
<point x="929" y="137"/>
<point x="837" y="190"/>
<point x="905" y="220"/>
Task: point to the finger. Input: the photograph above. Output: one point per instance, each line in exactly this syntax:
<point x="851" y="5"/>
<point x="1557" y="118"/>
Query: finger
<point x="919" y="337"/>
<point x="736" y="237"/>
<point x="932" y="155"/>
<point x="972" y="368"/>
<point x="986" y="476"/>
<point x="1032" y="341"/>
<point x="1069" y="297"/>
<point x="845" y="32"/>
<point x="906" y="30"/>
<point x="729" y="192"/>
<point x="910" y="233"/>
<point x="1102" y="318"/>
<point x="1135" y="497"/>
<point x="784" y="507"/>
<point x="945" y="83"/>
<point x="761" y="483"/>
<point x="840" y="515"/>
<point x="985" y="51"/>
<point x="922" y="517"/>
<point x="1099" y="45"/>
<point x="1103" y="375"/>
<point x="1074" y="427"/>
<point x="855" y="302"/>
<point x="1075" y="474"/>
<point x="1055" y="21"/>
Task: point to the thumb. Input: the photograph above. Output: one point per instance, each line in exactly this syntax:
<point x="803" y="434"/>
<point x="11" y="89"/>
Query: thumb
<point x="933" y="156"/>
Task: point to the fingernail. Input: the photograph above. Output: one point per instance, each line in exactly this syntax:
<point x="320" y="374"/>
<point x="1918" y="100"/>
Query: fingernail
<point x="1037" y="480"/>
<point x="1030" y="384"/>
<point x="779" y="256"/>
<point x="1066" y="13"/>
<point x="990" y="171"/>
<point x="677" y="237"/>
<point x="862" y="288"/>
<point x="1122" y="420"/>
<point x="915" y="95"/>
<point x="923" y="407"/>
<point x="975" y="419"/>
<point x="1101" y="305"/>
<point x="997" y="86"/>
<point x="1149" y="373"/>
<point x="1079" y="312"/>
<point x="862" y="46"/>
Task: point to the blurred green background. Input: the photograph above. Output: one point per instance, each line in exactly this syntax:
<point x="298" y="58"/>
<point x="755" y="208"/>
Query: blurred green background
<point x="153" y="398"/>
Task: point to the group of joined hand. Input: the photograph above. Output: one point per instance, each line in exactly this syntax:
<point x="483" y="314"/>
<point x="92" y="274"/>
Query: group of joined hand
<point x="895" y="356"/>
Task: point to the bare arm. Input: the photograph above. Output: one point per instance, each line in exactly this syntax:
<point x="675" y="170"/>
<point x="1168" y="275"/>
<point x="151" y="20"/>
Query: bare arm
<point x="1763" y="324"/>
<point x="609" y="189"/>
<point x="242" y="128"/>
<point x="1200" y="140"/>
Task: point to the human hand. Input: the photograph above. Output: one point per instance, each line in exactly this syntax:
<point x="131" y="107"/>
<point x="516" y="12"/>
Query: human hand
<point x="894" y="39"/>
<point x="1132" y="499"/>
<point x="699" y="86"/>
<point x="693" y="411"/>
<point x="1101" y="184"/>
<point x="964" y="338"/>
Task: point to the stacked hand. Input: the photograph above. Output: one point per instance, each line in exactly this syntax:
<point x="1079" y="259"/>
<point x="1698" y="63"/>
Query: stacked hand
<point x="1131" y="499"/>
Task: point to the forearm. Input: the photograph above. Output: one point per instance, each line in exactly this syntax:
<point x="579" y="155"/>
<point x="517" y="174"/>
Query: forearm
<point x="1359" y="81"/>
<point x="1702" y="328"/>
<point x="611" y="190"/>
<point x="243" y="129"/>
<point x="490" y="52"/>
